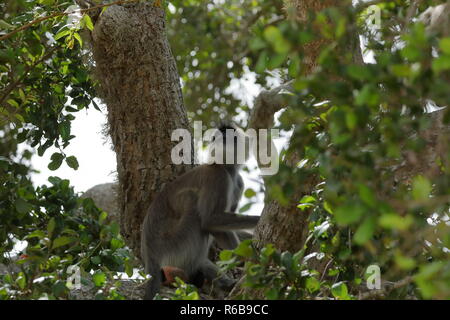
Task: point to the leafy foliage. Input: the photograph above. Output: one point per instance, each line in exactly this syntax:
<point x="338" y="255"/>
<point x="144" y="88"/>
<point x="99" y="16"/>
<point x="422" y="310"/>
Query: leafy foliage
<point x="61" y="232"/>
<point x="362" y="130"/>
<point x="359" y="129"/>
<point x="43" y="83"/>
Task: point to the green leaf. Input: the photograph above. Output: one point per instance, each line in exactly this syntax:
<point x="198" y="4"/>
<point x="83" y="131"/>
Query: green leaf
<point x="421" y="188"/>
<point x="116" y="244"/>
<point x="365" y="231"/>
<point x="6" y="25"/>
<point x="244" y="249"/>
<point x="424" y="279"/>
<point x="257" y="43"/>
<point x="99" y="278"/>
<point x="61" y="34"/>
<point x="286" y="260"/>
<point x="51" y="227"/>
<point x="395" y="221"/>
<point x="22" y="206"/>
<point x="308" y="199"/>
<point x="351" y="120"/>
<point x="249" y="193"/>
<point x="262" y="62"/>
<point x="404" y="263"/>
<point x="7" y="278"/>
<point x="102" y="217"/>
<point x="306" y="202"/>
<point x="192" y="296"/>
<point x="47" y="2"/>
<point x="312" y="284"/>
<point x="444" y="44"/>
<point x="226" y="255"/>
<point x="21" y="280"/>
<point x="401" y="70"/>
<point x="76" y="35"/>
<point x="359" y="72"/>
<point x="64" y="130"/>
<point x="327" y="207"/>
<point x="272" y="293"/>
<point x="72" y="162"/>
<point x="59" y="288"/>
<point x="340" y="291"/>
<point x="129" y="267"/>
<point x="13" y="103"/>
<point x="88" y="22"/>
<point x="245" y="207"/>
<point x="56" y="161"/>
<point x="367" y="195"/>
<point x="274" y="36"/>
<point x="349" y="213"/>
<point x="36" y="234"/>
<point x="96" y="260"/>
<point x="441" y="63"/>
<point x="62" y="241"/>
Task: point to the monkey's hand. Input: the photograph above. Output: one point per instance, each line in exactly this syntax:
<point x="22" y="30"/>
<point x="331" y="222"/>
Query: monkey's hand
<point x="170" y="273"/>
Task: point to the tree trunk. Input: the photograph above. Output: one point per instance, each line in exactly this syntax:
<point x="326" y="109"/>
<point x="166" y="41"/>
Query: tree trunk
<point x="141" y="88"/>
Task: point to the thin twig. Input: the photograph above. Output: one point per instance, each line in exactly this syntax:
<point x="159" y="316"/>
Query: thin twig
<point x="60" y="14"/>
<point x="383" y="292"/>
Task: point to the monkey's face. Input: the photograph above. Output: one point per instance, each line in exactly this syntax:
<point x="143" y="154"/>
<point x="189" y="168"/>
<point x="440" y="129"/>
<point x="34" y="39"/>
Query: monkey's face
<point x="230" y="146"/>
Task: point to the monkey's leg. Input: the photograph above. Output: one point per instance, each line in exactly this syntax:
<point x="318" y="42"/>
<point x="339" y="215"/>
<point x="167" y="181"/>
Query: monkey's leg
<point x="225" y="221"/>
<point x="153" y="285"/>
<point x="226" y="239"/>
<point x="198" y="279"/>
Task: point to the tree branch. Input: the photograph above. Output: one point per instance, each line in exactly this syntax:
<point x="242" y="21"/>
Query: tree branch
<point x="266" y="104"/>
<point x="437" y="19"/>
<point x="383" y="292"/>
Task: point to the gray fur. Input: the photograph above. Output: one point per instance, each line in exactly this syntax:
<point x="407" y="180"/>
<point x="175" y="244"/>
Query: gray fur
<point x="182" y="219"/>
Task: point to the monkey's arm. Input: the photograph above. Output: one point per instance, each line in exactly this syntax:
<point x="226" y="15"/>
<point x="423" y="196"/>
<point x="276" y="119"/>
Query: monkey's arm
<point x="226" y="221"/>
<point x="213" y="206"/>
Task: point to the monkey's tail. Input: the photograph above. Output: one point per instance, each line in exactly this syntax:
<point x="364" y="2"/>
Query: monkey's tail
<point x="154" y="283"/>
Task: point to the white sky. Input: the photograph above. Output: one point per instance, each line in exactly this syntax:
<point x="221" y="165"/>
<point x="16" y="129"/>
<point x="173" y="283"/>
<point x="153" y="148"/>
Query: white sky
<point x="97" y="160"/>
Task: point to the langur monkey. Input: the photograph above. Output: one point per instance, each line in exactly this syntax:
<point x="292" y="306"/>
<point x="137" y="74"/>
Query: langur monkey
<point x="189" y="211"/>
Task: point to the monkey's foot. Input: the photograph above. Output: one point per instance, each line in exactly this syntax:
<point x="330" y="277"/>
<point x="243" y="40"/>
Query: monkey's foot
<point x="170" y="273"/>
<point x="225" y="283"/>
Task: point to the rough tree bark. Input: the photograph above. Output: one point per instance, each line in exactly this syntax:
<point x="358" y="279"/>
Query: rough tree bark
<point x="140" y="85"/>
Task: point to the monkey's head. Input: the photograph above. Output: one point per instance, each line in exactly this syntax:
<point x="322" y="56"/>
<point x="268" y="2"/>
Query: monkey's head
<point x="229" y="145"/>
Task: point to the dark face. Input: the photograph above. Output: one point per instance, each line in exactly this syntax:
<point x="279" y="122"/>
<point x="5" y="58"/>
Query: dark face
<point x="230" y="137"/>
